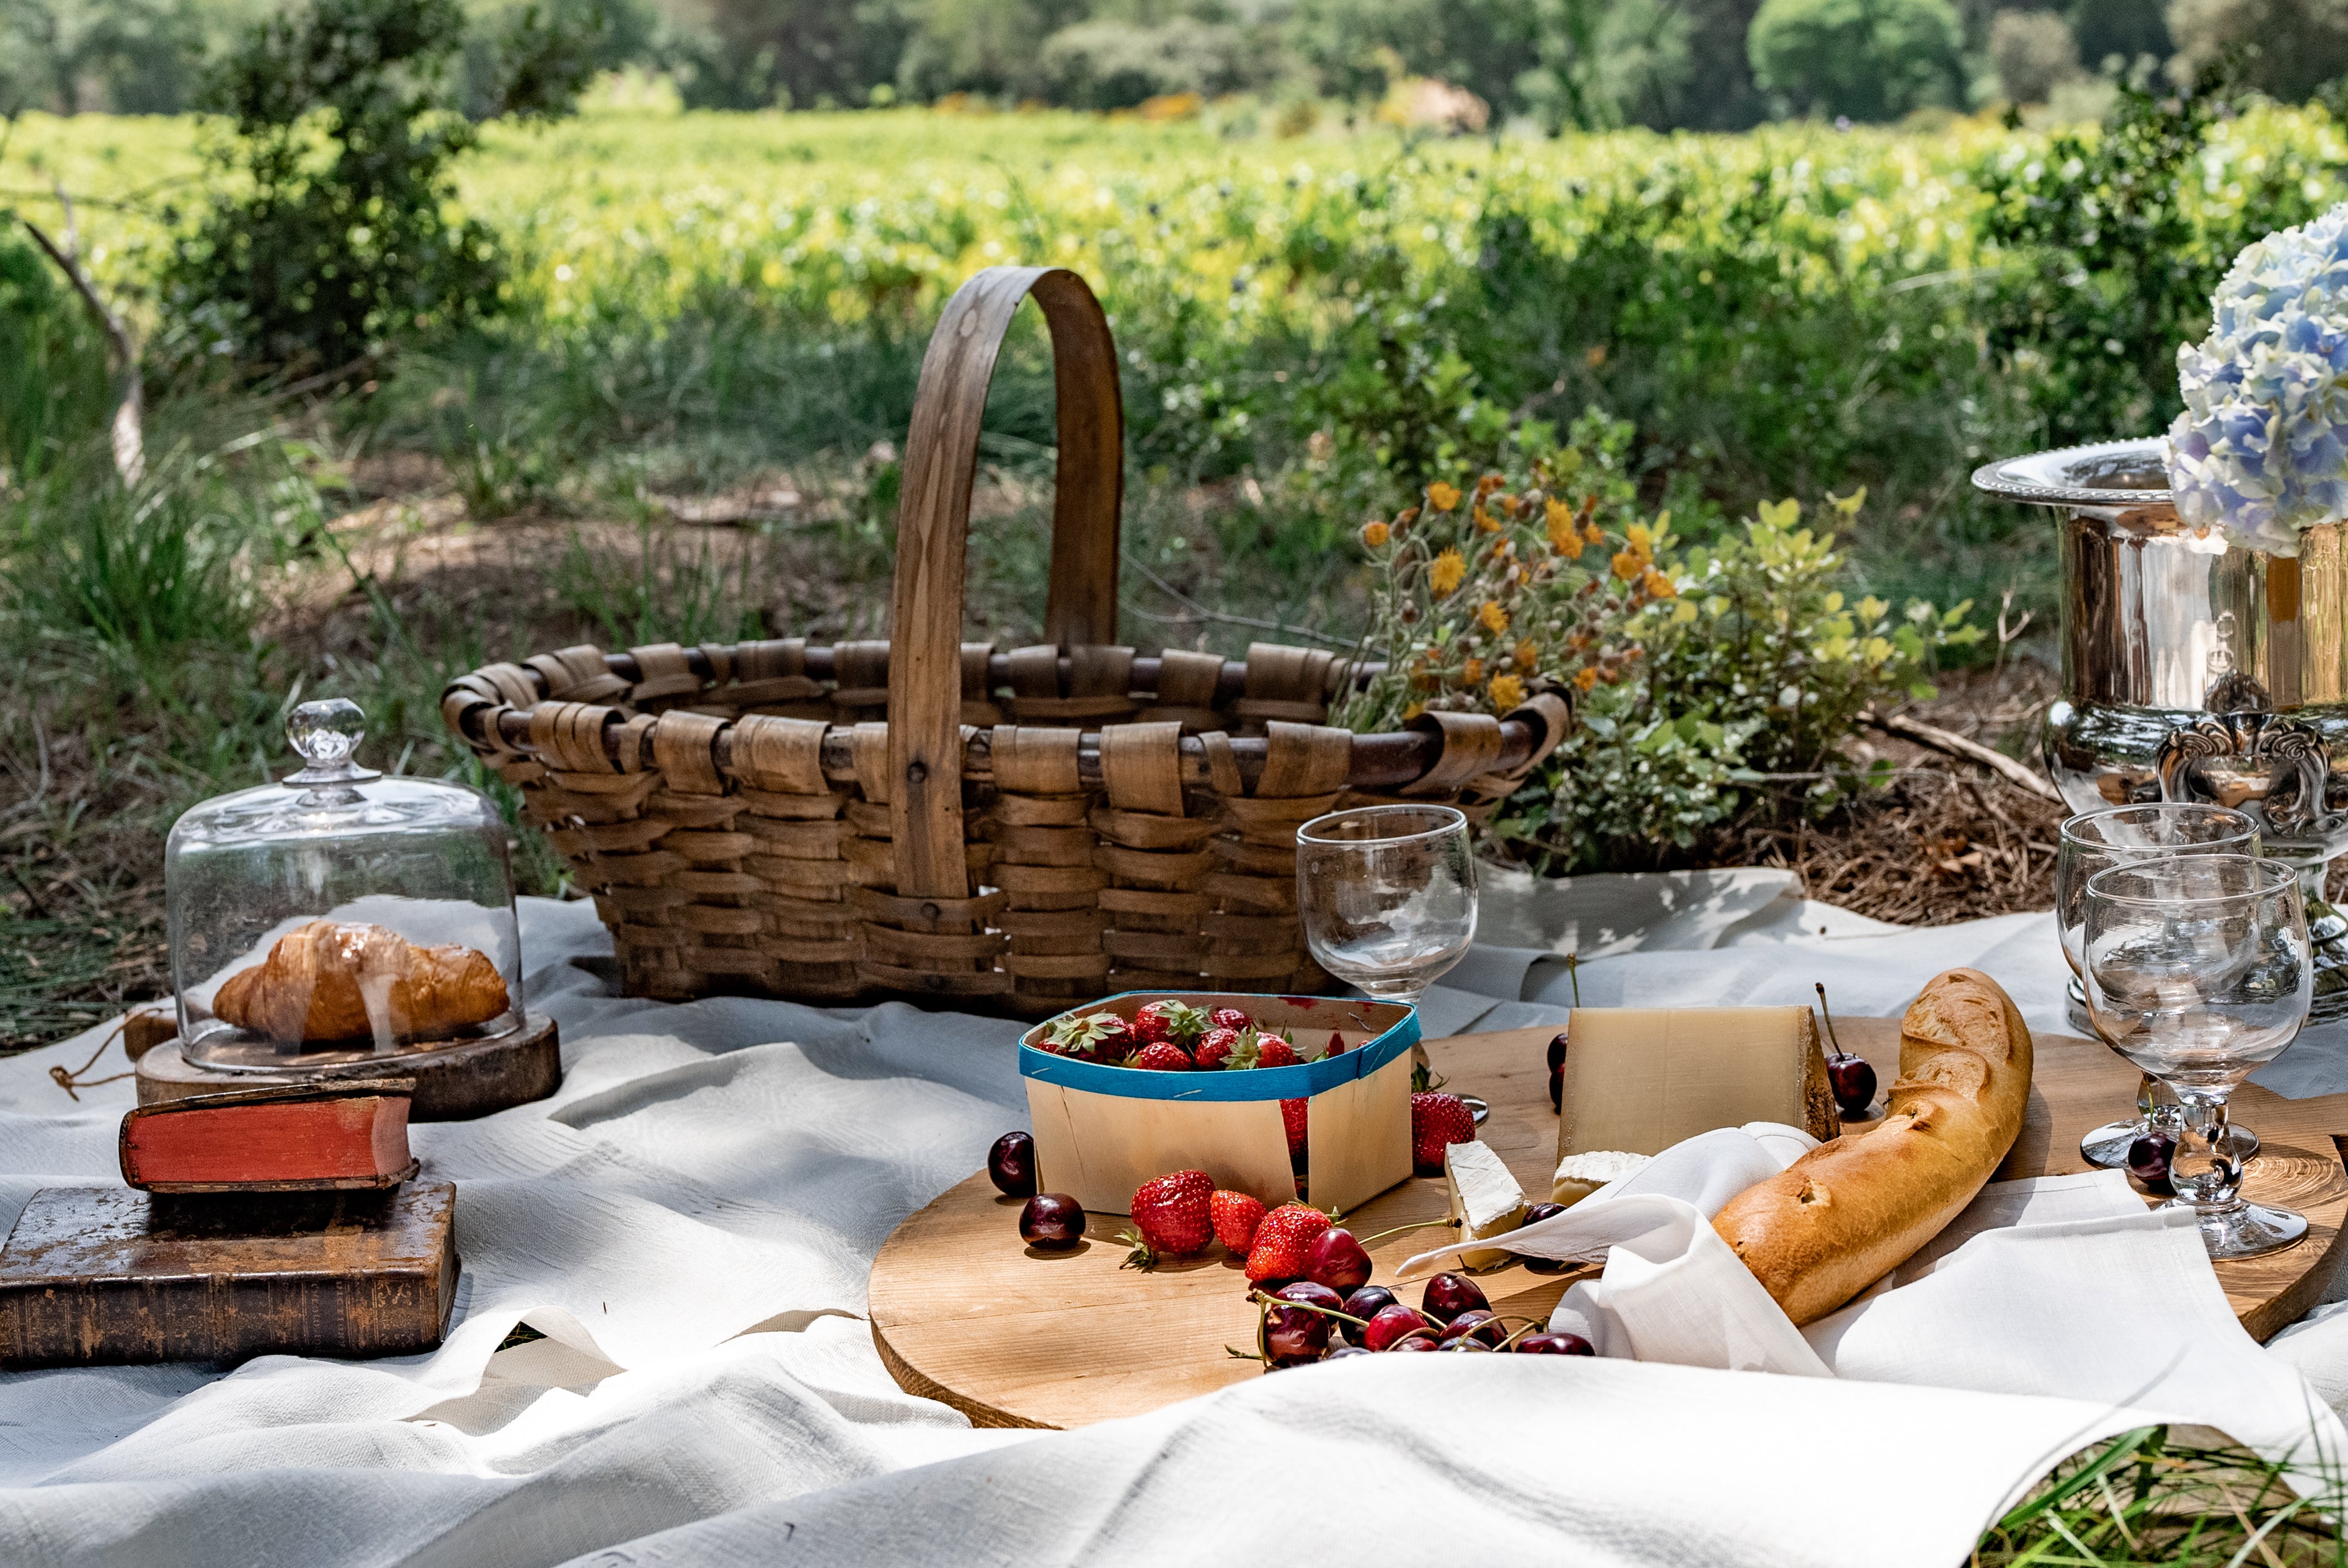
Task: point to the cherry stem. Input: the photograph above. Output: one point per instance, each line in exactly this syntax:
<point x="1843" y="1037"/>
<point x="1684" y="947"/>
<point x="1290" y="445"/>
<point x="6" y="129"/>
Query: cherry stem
<point x="1398" y="1229"/>
<point x="1829" y="1016"/>
<point x="1272" y="1301"/>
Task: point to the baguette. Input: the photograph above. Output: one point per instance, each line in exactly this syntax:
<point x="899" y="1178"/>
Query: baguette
<point x="1850" y="1211"/>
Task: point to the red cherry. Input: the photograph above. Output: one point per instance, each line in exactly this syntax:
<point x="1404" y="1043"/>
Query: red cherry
<point x="1392" y="1326"/>
<point x="1449" y="1294"/>
<point x="1557" y="1051"/>
<point x="1052" y="1221"/>
<point x="1294" y="1334"/>
<point x="1011" y="1165"/>
<point x="1416" y="1342"/>
<point x="1476" y="1323"/>
<point x="1336" y="1260"/>
<point x="1368" y="1300"/>
<point x="1555" y="1345"/>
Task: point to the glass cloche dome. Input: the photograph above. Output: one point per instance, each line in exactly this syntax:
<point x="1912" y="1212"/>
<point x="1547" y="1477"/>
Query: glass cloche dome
<point x="340" y="916"/>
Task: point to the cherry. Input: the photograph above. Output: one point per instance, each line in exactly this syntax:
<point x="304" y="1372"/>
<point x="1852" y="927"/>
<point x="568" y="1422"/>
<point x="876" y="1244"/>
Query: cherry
<point x="1557" y="1090"/>
<point x="1465" y="1345"/>
<point x="1312" y="1294"/>
<point x="1011" y="1165"/>
<point x="1052" y="1221"/>
<point x="1294" y="1335"/>
<point x="1557" y="1051"/>
<point x="1416" y="1342"/>
<point x="1546" y="1344"/>
<point x="1336" y="1260"/>
<point x="1542" y="1265"/>
<point x="1449" y="1294"/>
<point x="1476" y="1323"/>
<point x="2147" y="1161"/>
<point x="1392" y="1326"/>
<point x="1369" y="1302"/>
<point x="1853" y="1082"/>
<point x="1336" y="1352"/>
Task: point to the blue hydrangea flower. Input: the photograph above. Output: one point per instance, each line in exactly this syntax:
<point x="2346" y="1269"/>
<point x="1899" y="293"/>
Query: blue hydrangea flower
<point x="2262" y="449"/>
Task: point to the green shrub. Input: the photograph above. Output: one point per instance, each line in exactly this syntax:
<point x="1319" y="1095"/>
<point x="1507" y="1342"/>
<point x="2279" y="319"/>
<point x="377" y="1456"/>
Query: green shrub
<point x="1866" y="59"/>
<point x="54" y="387"/>
<point x="1104" y="64"/>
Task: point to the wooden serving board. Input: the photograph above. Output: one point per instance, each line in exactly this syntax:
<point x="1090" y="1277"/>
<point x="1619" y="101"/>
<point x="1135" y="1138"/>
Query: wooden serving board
<point x="964" y="1313"/>
<point x="105" y="1274"/>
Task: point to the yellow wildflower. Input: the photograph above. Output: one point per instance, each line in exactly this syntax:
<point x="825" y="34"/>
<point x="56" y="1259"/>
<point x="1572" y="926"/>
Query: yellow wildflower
<point x="1442" y="497"/>
<point x="1493" y="618"/>
<point x="1657" y="585"/>
<point x="1507" y="692"/>
<point x="1506" y="505"/>
<point x="1586" y="679"/>
<point x="1449" y="570"/>
<point x="1374" y="535"/>
<point x="1627" y="565"/>
<point x="1407" y="516"/>
<point x="1413" y="711"/>
<point x="1487" y="521"/>
<point x="1641" y="540"/>
<point x="1527" y="654"/>
<point x="1524" y="574"/>
<point x="1564" y="537"/>
<point x="1593" y="534"/>
<point x="1472" y="672"/>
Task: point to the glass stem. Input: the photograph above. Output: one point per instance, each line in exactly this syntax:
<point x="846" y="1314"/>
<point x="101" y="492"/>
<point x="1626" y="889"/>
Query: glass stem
<point x="2204" y="1170"/>
<point x="2157" y="1105"/>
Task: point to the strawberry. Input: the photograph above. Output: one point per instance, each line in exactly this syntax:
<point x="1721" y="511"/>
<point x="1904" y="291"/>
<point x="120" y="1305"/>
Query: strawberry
<point x="1271" y="1051"/>
<point x="1336" y="1043"/>
<point x="1280" y="1240"/>
<point x="1161" y="1058"/>
<point x="1173" y="1216"/>
<point x="1436" y="1120"/>
<point x="1216" y="1046"/>
<point x="1292" y="1117"/>
<point x="1237" y="1215"/>
<point x="1089" y="1037"/>
<point x="1230" y="1018"/>
<point x="1176" y="1023"/>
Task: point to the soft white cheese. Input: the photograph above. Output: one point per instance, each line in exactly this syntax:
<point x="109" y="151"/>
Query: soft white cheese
<point x="1579" y="1175"/>
<point x="1485" y="1200"/>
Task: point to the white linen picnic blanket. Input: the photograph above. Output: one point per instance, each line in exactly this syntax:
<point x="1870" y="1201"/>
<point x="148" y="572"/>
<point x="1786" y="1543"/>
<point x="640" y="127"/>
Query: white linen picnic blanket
<point x="691" y="1220"/>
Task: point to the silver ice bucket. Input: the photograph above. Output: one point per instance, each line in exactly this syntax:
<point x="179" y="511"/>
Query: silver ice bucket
<point x="2194" y="669"/>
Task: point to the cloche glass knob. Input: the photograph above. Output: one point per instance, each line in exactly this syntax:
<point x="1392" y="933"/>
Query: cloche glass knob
<point x="325" y="734"/>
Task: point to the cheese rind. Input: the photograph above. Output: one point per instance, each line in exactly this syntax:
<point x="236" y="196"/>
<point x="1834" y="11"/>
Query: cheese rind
<point x="1579" y="1175"/>
<point x="1485" y="1200"/>
<point x="1640" y="1080"/>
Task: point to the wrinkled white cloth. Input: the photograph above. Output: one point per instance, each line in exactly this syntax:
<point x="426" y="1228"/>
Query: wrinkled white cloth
<point x="691" y="1220"/>
<point x="2060" y="1285"/>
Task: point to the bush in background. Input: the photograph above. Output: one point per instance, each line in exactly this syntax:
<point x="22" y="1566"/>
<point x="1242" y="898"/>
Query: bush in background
<point x="1858" y="59"/>
<point x="2032" y="52"/>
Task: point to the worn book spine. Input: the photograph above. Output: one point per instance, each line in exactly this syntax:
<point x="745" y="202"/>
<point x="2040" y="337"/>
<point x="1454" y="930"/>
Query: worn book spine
<point x="276" y="1139"/>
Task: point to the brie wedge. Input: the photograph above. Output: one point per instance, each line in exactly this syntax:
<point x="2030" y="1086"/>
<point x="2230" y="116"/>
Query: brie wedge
<point x="1485" y="1200"/>
<point x="1579" y="1175"/>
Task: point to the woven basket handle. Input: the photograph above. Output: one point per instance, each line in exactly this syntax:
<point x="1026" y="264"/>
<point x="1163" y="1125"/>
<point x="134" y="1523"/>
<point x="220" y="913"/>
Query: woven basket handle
<point x="934" y="535"/>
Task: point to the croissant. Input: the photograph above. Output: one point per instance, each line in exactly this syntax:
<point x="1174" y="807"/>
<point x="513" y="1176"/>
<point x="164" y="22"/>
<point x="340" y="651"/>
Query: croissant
<point x="329" y="981"/>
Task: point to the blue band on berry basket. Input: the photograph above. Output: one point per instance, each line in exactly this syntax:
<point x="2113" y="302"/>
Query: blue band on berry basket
<point x="1298" y="1082"/>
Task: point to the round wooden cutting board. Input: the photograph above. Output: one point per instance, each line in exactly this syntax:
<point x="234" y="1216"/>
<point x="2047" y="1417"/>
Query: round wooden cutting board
<point x="964" y="1311"/>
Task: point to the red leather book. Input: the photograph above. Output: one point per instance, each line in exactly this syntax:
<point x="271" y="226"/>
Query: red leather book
<point x="280" y="1138"/>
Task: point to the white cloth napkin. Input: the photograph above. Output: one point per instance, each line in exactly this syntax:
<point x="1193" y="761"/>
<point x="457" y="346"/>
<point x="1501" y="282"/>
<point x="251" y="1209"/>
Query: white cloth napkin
<point x="2057" y="1285"/>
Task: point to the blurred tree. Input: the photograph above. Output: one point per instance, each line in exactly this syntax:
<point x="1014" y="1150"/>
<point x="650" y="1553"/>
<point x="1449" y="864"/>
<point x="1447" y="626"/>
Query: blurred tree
<point x="131" y="57"/>
<point x="2031" y="51"/>
<point x="983" y="45"/>
<point x="1867" y="59"/>
<point x="1103" y="64"/>
<point x="331" y="233"/>
<point x="754" y="54"/>
<point x="2126" y="29"/>
<point x="2288" y="48"/>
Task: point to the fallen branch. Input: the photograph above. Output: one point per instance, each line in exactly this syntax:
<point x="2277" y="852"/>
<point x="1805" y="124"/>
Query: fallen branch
<point x="129" y="432"/>
<point x="1949" y="744"/>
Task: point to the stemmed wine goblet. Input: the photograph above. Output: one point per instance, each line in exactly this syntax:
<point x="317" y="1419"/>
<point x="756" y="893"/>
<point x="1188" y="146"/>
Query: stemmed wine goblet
<point x="2094" y="841"/>
<point x="2198" y="971"/>
<point x="1388" y="895"/>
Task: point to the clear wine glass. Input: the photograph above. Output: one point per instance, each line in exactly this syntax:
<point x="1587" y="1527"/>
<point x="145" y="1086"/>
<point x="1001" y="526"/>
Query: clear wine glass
<point x="2198" y="971"/>
<point x="1389" y="896"/>
<point x="2097" y="841"/>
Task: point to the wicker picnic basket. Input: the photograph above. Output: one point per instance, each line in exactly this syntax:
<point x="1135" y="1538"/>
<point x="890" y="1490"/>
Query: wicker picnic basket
<point x="929" y="818"/>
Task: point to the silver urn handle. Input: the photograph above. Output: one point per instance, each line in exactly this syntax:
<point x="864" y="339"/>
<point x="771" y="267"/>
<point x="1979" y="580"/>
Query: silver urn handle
<point x="2254" y="737"/>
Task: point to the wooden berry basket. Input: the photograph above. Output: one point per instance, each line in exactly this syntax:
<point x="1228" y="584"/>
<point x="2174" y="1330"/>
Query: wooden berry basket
<point x="929" y="818"/>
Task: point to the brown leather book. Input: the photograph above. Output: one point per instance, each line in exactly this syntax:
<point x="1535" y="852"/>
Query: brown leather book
<point x="283" y="1138"/>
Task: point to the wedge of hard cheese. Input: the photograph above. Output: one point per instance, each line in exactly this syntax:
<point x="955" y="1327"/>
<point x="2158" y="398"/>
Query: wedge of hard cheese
<point x="1579" y="1175"/>
<point x="1640" y="1080"/>
<point x="1485" y="1200"/>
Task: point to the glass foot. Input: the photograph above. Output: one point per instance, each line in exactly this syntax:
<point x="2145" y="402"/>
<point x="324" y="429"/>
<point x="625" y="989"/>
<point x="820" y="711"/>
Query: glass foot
<point x="2106" y="1147"/>
<point x="2246" y="1230"/>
